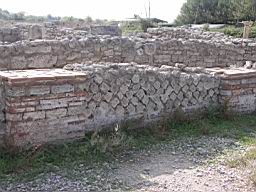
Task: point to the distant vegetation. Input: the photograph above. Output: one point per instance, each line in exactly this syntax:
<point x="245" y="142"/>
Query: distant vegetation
<point x="137" y="25"/>
<point x="21" y="16"/>
<point x="235" y="31"/>
<point x="216" y="11"/>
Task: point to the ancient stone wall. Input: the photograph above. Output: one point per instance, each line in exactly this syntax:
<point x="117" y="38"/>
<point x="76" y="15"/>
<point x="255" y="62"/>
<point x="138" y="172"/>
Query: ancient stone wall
<point x="2" y="113"/>
<point x="51" y="31"/>
<point x="238" y="89"/>
<point x="47" y="105"/>
<point x="187" y="33"/>
<point x="10" y="35"/>
<point x="39" y="106"/>
<point x="57" y="53"/>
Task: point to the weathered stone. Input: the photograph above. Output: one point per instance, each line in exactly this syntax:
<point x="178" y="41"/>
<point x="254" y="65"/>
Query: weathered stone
<point x="114" y="102"/>
<point x="131" y="109"/>
<point x="169" y="90"/>
<point x="62" y="88"/>
<point x="150" y="48"/>
<point x="94" y="88"/>
<point x="56" y="113"/>
<point x="124" y="89"/>
<point x="140" y="108"/>
<point x="98" y="79"/>
<point x="140" y="94"/>
<point x="136" y="78"/>
<point x="108" y="96"/>
<point x="39" y="90"/>
<point x="120" y="95"/>
<point x="134" y="101"/>
<point x="32" y="116"/>
<point x="97" y="97"/>
<point x="125" y="101"/>
<point x="104" y="87"/>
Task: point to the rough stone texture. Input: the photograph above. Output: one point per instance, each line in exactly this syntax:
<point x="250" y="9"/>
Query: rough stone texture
<point x="10" y="34"/>
<point x="36" y="112"/>
<point x="145" y="93"/>
<point x="40" y="106"/>
<point x="106" y="30"/>
<point x="152" y="50"/>
<point x="2" y="113"/>
<point x="188" y="33"/>
<point x="47" y="105"/>
<point x="238" y="89"/>
<point x="171" y="69"/>
<point x="35" y="32"/>
<point x="52" y="31"/>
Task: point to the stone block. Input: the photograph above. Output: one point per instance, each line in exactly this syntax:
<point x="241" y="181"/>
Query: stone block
<point x="66" y="88"/>
<point x="56" y="113"/>
<point x="32" y="116"/>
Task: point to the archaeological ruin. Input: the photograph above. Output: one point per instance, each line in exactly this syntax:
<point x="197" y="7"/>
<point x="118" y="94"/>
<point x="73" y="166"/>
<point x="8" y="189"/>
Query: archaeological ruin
<point x="58" y="84"/>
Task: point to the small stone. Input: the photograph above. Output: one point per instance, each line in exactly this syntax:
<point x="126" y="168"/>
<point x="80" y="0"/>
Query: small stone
<point x="114" y="102"/>
<point x="136" y="78"/>
<point x="108" y="96"/>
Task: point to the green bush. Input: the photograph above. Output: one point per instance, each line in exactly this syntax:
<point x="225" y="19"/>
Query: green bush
<point x="232" y="31"/>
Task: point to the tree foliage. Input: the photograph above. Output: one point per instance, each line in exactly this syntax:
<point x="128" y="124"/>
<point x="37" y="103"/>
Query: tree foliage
<point x="216" y="11"/>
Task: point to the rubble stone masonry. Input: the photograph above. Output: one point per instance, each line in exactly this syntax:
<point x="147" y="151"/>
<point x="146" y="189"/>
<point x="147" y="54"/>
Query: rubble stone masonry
<point x="42" y="106"/>
<point x="108" y="80"/>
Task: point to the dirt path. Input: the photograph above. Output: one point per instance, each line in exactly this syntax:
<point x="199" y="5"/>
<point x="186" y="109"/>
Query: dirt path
<point x="190" y="165"/>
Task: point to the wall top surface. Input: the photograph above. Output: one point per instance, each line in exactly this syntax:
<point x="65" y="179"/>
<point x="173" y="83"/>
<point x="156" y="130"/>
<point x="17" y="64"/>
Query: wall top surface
<point x="18" y="76"/>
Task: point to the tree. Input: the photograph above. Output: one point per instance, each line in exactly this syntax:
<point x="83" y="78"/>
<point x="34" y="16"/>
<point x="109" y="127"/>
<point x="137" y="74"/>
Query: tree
<point x="216" y="11"/>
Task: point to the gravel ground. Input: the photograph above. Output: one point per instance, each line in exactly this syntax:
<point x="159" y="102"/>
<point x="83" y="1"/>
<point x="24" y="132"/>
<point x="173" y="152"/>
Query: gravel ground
<point x="189" y="165"/>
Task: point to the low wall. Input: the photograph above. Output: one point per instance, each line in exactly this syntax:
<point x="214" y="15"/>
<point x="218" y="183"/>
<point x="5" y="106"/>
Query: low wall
<point x="188" y="33"/>
<point x="42" y="106"/>
<point x="2" y="113"/>
<point x="51" y="31"/>
<point x="238" y="89"/>
<point x="47" y="105"/>
<point x="58" y="53"/>
<point x="39" y="106"/>
<point x="10" y="35"/>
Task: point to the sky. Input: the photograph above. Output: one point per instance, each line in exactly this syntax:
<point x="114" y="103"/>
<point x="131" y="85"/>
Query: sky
<point x="97" y="9"/>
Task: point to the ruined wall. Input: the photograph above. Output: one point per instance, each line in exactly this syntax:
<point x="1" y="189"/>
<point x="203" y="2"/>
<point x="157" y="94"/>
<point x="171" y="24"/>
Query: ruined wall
<point x="238" y="89"/>
<point x="48" y="105"/>
<point x="188" y="33"/>
<point x="2" y="113"/>
<point x="51" y="31"/>
<point x="10" y="35"/>
<point x="57" y="53"/>
<point x="39" y="106"/>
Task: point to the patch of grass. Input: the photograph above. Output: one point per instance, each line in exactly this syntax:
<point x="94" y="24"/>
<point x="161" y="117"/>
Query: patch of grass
<point x="253" y="177"/>
<point x="28" y="164"/>
<point x="235" y="31"/>
<point x="243" y="160"/>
